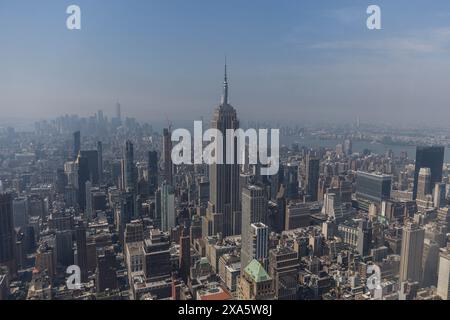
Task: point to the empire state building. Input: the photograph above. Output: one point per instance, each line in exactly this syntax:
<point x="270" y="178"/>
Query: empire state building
<point x="224" y="178"/>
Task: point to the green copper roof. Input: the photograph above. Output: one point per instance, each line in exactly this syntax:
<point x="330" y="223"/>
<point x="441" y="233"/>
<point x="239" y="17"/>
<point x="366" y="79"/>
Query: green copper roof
<point x="256" y="271"/>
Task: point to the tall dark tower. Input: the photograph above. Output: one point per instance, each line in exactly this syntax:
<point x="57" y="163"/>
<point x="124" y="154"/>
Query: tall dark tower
<point x="100" y="161"/>
<point x="82" y="262"/>
<point x="185" y="254"/>
<point x="167" y="156"/>
<point x="312" y="176"/>
<point x="152" y="171"/>
<point x="92" y="160"/>
<point x="429" y="157"/>
<point x="76" y="144"/>
<point x="128" y="167"/>
<point x="83" y="177"/>
<point x="7" y="234"/>
<point x="224" y="178"/>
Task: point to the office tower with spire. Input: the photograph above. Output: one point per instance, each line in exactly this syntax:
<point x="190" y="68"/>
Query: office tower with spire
<point x="254" y="211"/>
<point x="76" y="144"/>
<point x="7" y="233"/>
<point x="411" y="252"/>
<point x="167" y="174"/>
<point x="224" y="178"/>
<point x="428" y="157"/>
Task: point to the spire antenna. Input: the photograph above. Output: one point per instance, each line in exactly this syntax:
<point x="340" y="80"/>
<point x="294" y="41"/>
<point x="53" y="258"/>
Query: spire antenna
<point x="225" y="85"/>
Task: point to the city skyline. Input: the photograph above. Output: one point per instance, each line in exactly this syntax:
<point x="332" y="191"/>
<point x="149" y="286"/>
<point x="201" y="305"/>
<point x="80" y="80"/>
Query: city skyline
<point x="315" y="62"/>
<point x="109" y="196"/>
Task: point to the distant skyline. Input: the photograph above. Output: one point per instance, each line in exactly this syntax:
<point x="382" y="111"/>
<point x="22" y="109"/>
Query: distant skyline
<point x="308" y="60"/>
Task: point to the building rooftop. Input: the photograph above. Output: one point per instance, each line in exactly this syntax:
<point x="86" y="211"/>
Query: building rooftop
<point x="256" y="271"/>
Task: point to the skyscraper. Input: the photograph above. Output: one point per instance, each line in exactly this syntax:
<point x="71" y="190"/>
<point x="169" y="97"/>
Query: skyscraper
<point x="312" y="177"/>
<point x="254" y="210"/>
<point x="128" y="167"/>
<point x="152" y="171"/>
<point x="81" y="257"/>
<point x="439" y="193"/>
<point x="92" y="162"/>
<point x="7" y="233"/>
<point x="76" y="144"/>
<point x="106" y="277"/>
<point x="372" y="188"/>
<point x="83" y="177"/>
<point x="167" y="207"/>
<point x="224" y="178"/>
<point x="424" y="183"/>
<point x="167" y="174"/>
<point x="364" y="241"/>
<point x="411" y="252"/>
<point x="100" y="161"/>
<point x="185" y="254"/>
<point x="428" y="157"/>
<point x="443" y="287"/>
<point x="283" y="268"/>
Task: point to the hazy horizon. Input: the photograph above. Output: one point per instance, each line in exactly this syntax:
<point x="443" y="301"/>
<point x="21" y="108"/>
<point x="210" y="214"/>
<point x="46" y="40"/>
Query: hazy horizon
<point x="289" y="61"/>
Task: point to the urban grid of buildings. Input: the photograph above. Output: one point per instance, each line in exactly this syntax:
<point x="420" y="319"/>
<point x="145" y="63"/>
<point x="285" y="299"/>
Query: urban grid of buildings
<point x="103" y="194"/>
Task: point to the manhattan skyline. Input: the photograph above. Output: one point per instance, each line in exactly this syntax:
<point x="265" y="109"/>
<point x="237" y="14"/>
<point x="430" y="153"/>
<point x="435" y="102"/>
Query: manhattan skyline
<point x="162" y="59"/>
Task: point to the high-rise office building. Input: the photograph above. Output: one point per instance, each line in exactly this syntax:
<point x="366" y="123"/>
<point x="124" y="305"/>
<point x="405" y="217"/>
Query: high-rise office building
<point x="63" y="248"/>
<point x="224" y="178"/>
<point x="185" y="254"/>
<point x="106" y="275"/>
<point x="443" y="287"/>
<point x="312" y="177"/>
<point x="411" y="252"/>
<point x="283" y="268"/>
<point x="424" y="183"/>
<point x="167" y="174"/>
<point x="372" y="188"/>
<point x="7" y="233"/>
<point x="157" y="257"/>
<point x="254" y="210"/>
<point x="76" y="144"/>
<point x="430" y="263"/>
<point x="167" y="207"/>
<point x="152" y="171"/>
<point x="89" y="209"/>
<point x="439" y="195"/>
<point x="259" y="233"/>
<point x="128" y="170"/>
<point x="100" y="161"/>
<point x="81" y="254"/>
<point x="364" y="242"/>
<point x="290" y="180"/>
<point x="20" y="212"/>
<point x="83" y="176"/>
<point x="428" y="157"/>
<point x="92" y="162"/>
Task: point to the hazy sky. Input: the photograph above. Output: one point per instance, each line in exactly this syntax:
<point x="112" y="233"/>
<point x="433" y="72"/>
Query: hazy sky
<point x="289" y="60"/>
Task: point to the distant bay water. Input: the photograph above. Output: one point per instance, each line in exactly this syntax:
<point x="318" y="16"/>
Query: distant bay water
<point x="358" y="146"/>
